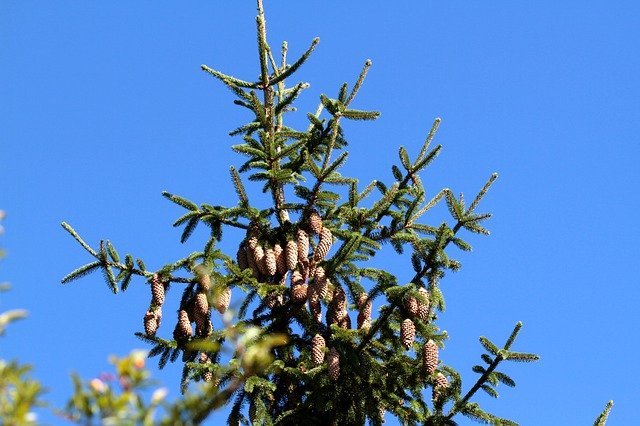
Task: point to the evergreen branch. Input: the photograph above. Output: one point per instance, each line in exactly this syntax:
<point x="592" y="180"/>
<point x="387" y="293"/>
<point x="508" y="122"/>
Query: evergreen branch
<point x="81" y="271"/>
<point x="227" y="79"/>
<point x="430" y="136"/>
<point x="75" y="235"/>
<point x="355" y="114"/>
<point x="183" y="202"/>
<point x="239" y="187"/>
<point x="288" y="100"/>
<point x="482" y="192"/>
<point x="602" y="418"/>
<point x="359" y="82"/>
<point x="293" y="67"/>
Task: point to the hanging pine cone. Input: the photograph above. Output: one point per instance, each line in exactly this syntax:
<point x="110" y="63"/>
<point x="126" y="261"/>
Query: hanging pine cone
<point x="364" y="304"/>
<point x="423" y="307"/>
<point x="437" y="392"/>
<point x="152" y="321"/>
<point x="259" y="259"/>
<point x="224" y="298"/>
<point x="252" y="264"/>
<point x="291" y="254"/>
<point x="201" y="311"/>
<point x="333" y="359"/>
<point x="321" y="282"/>
<point x="272" y="300"/>
<point x="252" y="242"/>
<point x="411" y="304"/>
<point x="303" y="245"/>
<point x="270" y="262"/>
<point x="314" y="306"/>
<point x="345" y="322"/>
<point x="281" y="262"/>
<point x="430" y="357"/>
<point x="315" y="222"/>
<point x="297" y="278"/>
<point x="340" y="301"/>
<point x="407" y="333"/>
<point x="364" y="321"/>
<point x="207" y="376"/>
<point x="205" y="329"/>
<point x="183" y="330"/>
<point x="157" y="290"/>
<point x="299" y="293"/>
<point x="324" y="245"/>
<point x="241" y="257"/>
<point x="317" y="349"/>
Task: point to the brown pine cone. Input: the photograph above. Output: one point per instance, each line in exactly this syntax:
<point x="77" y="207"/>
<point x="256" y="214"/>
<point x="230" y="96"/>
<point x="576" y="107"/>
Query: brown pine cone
<point x="299" y="292"/>
<point x="281" y="261"/>
<point x="272" y="300"/>
<point x="224" y="298"/>
<point x="296" y="278"/>
<point x="183" y="330"/>
<point x="324" y="245"/>
<point x="411" y="304"/>
<point x="314" y="306"/>
<point x="259" y="259"/>
<point x="315" y="222"/>
<point x="345" y="322"/>
<point x="364" y="321"/>
<point x="317" y="349"/>
<point x="291" y="254"/>
<point x="364" y="304"/>
<point x="207" y="376"/>
<point x="430" y="357"/>
<point x="205" y="329"/>
<point x="270" y="262"/>
<point x="241" y="257"/>
<point x="252" y="242"/>
<point x="436" y="393"/>
<point x="423" y="308"/>
<point x="303" y="245"/>
<point x="333" y="359"/>
<point x="152" y="321"/>
<point x="321" y="282"/>
<point x="252" y="264"/>
<point x="157" y="290"/>
<point x="407" y="333"/>
<point x="201" y="310"/>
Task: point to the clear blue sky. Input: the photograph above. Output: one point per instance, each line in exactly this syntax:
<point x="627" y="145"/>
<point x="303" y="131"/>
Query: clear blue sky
<point x="103" y="106"/>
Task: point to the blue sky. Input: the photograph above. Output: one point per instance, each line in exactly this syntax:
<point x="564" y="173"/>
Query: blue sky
<point x="103" y="106"/>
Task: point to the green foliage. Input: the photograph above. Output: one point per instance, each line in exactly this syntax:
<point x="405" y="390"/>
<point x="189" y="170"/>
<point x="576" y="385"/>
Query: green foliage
<point x="274" y="375"/>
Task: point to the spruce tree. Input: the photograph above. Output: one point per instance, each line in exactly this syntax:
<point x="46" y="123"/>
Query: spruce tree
<point x="307" y="346"/>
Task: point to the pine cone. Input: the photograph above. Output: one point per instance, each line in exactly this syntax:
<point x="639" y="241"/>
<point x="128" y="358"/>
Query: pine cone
<point x="321" y="282"/>
<point x="407" y="333"/>
<point x="333" y="359"/>
<point x="252" y="242"/>
<point x="259" y="259"/>
<point x="201" y="310"/>
<point x="281" y="262"/>
<point x="241" y="257"/>
<point x="430" y="357"/>
<point x="183" y="330"/>
<point x="297" y="278"/>
<point x="152" y="321"/>
<point x="411" y="305"/>
<point x="273" y="299"/>
<point x="204" y="359"/>
<point x="224" y="298"/>
<point x="205" y="329"/>
<point x="252" y="264"/>
<point x="423" y="308"/>
<point x="292" y="254"/>
<point x="299" y="292"/>
<point x="270" y="262"/>
<point x="364" y="321"/>
<point x="314" y="306"/>
<point x="303" y="245"/>
<point x="324" y="245"/>
<point x="157" y="290"/>
<point x="440" y="385"/>
<point x="317" y="349"/>
<point x="315" y="222"/>
<point x="345" y="322"/>
<point x="364" y="304"/>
